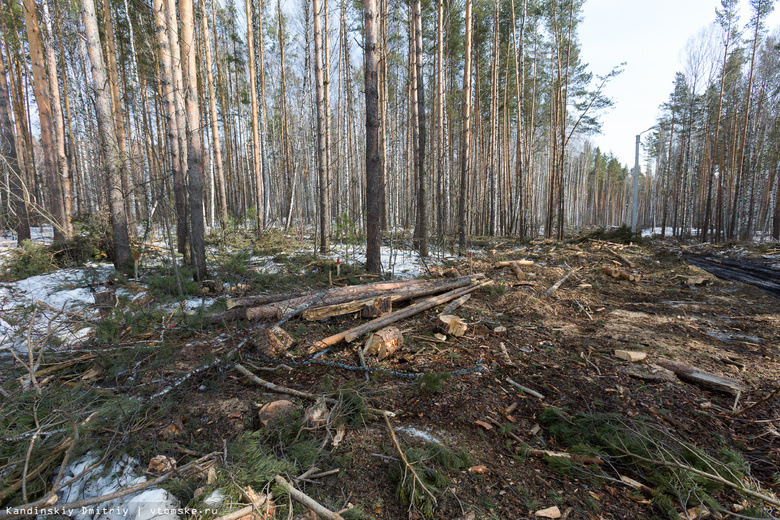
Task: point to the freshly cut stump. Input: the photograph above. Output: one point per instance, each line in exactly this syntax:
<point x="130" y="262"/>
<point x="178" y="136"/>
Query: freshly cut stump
<point x="384" y="342"/>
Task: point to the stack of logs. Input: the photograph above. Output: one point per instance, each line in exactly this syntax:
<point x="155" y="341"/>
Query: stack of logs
<point x="374" y="300"/>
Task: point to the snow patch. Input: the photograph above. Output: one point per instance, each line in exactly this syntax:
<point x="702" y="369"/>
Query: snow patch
<point x="152" y="503"/>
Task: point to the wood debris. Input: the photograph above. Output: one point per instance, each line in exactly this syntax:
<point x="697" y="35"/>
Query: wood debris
<point x="384" y="342"/>
<point x="702" y="378"/>
<point x="620" y="273"/>
<point x="632" y="356"/>
<point x="454" y="325"/>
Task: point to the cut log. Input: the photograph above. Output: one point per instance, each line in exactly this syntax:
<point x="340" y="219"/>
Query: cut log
<point x="625" y="260"/>
<point x="702" y="378"/>
<point x="337" y="296"/>
<point x="519" y="274"/>
<point x="509" y="263"/>
<point x="378" y="323"/>
<point x="383" y="343"/>
<point x="377" y="307"/>
<point x="620" y="273"/>
<point x="454" y="325"/>
<point x="632" y="356"/>
<point x="354" y="290"/>
<point x="273" y="341"/>
<point x="454" y="304"/>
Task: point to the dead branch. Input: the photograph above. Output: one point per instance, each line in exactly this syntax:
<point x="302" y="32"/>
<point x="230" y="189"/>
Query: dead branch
<point x="771" y="396"/>
<point x="582" y="459"/>
<point x="524" y="389"/>
<point x="454" y="304"/>
<point x="248" y="510"/>
<point x="406" y="462"/>
<point x="557" y="284"/>
<point x="307" y="501"/>
<point x="297" y="393"/>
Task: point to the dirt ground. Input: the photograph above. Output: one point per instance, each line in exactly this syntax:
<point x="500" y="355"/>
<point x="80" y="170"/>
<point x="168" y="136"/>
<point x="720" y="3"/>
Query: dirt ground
<point x="562" y="346"/>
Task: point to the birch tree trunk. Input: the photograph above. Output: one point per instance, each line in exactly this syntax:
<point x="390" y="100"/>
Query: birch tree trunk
<point x="322" y="154"/>
<point x="109" y="143"/>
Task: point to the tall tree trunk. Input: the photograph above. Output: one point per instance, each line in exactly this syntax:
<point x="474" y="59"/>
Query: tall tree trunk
<point x="220" y="172"/>
<point x="177" y="76"/>
<point x="373" y="164"/>
<point x="257" y="166"/>
<point x="194" y="144"/>
<point x="421" y="230"/>
<point x="116" y="104"/>
<point x="111" y="152"/>
<point x="465" y="140"/>
<point x="59" y="122"/>
<point x="8" y="148"/>
<point x="43" y="97"/>
<point x="171" y="122"/>
<point x="322" y="147"/>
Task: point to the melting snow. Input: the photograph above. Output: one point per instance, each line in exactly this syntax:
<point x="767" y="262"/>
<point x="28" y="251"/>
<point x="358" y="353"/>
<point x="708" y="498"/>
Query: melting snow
<point x="152" y="503"/>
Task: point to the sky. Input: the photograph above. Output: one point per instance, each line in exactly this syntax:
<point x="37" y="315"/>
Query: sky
<point x="650" y="36"/>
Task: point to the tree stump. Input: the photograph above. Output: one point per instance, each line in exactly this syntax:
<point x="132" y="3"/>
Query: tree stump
<point x="383" y="343"/>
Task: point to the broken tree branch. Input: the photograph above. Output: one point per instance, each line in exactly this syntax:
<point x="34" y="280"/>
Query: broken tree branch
<point x="557" y="284"/>
<point x="307" y="501"/>
<point x="406" y="462"/>
<point x="524" y="389"/>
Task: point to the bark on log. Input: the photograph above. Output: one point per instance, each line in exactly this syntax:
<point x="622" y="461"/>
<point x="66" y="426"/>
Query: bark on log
<point x="519" y="274"/>
<point x="508" y="263"/>
<point x="273" y="341"/>
<point x="377" y="307"/>
<point x="702" y="378"/>
<point x="454" y="304"/>
<point x="625" y="260"/>
<point x="336" y="297"/>
<point x="354" y="333"/>
<point x="383" y="343"/>
<point x="355" y="290"/>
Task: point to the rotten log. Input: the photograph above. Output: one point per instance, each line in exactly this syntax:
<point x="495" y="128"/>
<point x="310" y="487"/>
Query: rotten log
<point x="509" y="263"/>
<point x="383" y="343"/>
<point x="378" y="323"/>
<point x="339" y="296"/>
<point x="453" y="325"/>
<point x="702" y="378"/>
<point x="620" y="273"/>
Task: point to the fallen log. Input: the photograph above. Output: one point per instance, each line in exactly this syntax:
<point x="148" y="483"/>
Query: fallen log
<point x="702" y="378"/>
<point x="558" y="284"/>
<point x="336" y="297"/>
<point x="519" y="274"/>
<point x="508" y="263"/>
<point x="620" y="273"/>
<point x="454" y="304"/>
<point x="355" y="290"/>
<point x="625" y="260"/>
<point x="354" y="333"/>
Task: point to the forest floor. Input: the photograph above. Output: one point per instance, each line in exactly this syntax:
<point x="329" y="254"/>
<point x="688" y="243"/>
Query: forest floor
<point x="151" y="379"/>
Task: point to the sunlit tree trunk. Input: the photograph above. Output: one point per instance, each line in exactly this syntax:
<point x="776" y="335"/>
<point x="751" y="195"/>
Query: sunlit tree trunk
<point x="43" y="98"/>
<point x="322" y="147"/>
<point x="257" y="166"/>
<point x="465" y="139"/>
<point x="111" y="151"/>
